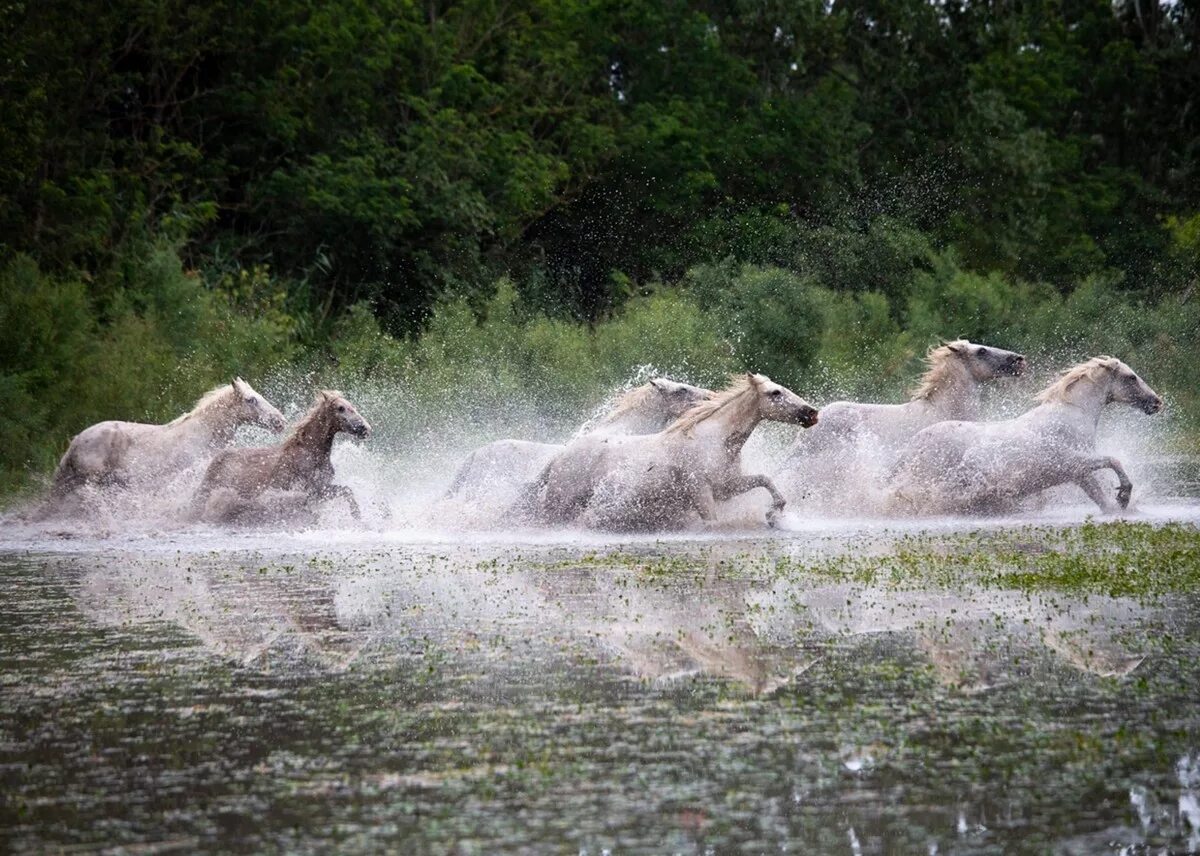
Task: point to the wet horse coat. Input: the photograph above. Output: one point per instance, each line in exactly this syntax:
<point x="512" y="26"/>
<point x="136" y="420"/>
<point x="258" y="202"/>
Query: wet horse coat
<point x="135" y="454"/>
<point x="238" y="481"/>
<point x="663" y="480"/>
<point x="855" y="444"/>
<point x="989" y="467"/>
<point x="496" y="473"/>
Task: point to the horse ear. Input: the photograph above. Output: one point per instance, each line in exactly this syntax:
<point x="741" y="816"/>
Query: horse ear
<point x="659" y="384"/>
<point x="955" y="346"/>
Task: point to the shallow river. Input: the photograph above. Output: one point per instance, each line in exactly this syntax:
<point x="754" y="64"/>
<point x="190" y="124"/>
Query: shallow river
<point x="848" y="688"/>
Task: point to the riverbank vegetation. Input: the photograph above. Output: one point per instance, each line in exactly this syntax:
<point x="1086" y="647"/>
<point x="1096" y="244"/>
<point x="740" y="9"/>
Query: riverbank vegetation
<point x="533" y="200"/>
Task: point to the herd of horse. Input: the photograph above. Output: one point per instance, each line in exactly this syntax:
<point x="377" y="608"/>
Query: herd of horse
<point x="667" y="454"/>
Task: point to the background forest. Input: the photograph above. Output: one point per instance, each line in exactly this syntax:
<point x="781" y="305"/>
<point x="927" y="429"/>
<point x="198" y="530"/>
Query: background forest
<point x="530" y="199"/>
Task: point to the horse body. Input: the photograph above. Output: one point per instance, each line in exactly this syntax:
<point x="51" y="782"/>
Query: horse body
<point x="664" y="480"/>
<point x="130" y="454"/>
<point x="497" y="472"/>
<point x="858" y="442"/>
<point x="959" y="466"/>
<point x="246" y="483"/>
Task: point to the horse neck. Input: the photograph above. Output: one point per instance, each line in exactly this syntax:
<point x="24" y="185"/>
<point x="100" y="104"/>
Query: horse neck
<point x="215" y="424"/>
<point x="1089" y="396"/>
<point x="313" y="439"/>
<point x="956" y="395"/>
<point x="733" y="424"/>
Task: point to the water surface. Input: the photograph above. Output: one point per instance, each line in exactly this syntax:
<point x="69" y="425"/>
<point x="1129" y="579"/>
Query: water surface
<point x="845" y="688"/>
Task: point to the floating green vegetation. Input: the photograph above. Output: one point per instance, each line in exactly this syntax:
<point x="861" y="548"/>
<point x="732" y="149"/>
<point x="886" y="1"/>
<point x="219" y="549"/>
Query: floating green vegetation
<point x="1115" y="558"/>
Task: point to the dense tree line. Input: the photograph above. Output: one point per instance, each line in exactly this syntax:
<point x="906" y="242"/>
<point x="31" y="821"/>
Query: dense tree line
<point x="393" y="150"/>
<point x="260" y="168"/>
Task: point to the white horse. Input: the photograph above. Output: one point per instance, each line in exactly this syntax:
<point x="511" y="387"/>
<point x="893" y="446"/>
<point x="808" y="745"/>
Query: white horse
<point x="133" y="454"/>
<point x="856" y="443"/>
<point x="660" y="481"/>
<point x="495" y="473"/>
<point x="989" y="467"/>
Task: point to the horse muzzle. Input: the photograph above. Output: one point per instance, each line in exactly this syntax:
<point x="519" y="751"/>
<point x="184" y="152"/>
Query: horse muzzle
<point x="1150" y="406"/>
<point x="362" y="431"/>
<point x="808" y="416"/>
<point x="1017" y="365"/>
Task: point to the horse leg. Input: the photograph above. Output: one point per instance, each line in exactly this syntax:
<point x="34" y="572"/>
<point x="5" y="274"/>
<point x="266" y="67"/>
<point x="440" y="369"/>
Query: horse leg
<point x="1092" y="487"/>
<point x="706" y="504"/>
<point x="335" y="491"/>
<point x="742" y="484"/>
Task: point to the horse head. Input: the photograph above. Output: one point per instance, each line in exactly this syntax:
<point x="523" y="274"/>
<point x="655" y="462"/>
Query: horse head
<point x="780" y="404"/>
<point x="346" y="417"/>
<point x="1127" y="387"/>
<point x="678" y="397"/>
<point x="987" y="363"/>
<point x="253" y="409"/>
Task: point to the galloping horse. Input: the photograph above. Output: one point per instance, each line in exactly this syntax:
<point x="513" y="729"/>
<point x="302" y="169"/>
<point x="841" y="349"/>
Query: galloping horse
<point x="990" y="466"/>
<point x="237" y="479"/>
<point x="132" y="454"/>
<point x="857" y="441"/>
<point x="659" y="481"/>
<point x="497" y="472"/>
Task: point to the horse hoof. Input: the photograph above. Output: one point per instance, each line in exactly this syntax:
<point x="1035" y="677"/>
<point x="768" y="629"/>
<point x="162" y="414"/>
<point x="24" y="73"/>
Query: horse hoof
<point x="1123" y="495"/>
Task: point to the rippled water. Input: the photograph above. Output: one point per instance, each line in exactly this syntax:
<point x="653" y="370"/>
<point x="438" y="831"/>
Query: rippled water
<point x="429" y="692"/>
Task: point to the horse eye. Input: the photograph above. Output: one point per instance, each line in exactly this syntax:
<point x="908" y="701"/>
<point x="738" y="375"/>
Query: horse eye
<point x="341" y="408"/>
<point x="983" y="352"/>
<point x="775" y="393"/>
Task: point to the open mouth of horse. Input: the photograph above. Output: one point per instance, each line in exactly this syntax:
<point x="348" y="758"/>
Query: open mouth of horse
<point x="809" y="418"/>
<point x="1016" y="366"/>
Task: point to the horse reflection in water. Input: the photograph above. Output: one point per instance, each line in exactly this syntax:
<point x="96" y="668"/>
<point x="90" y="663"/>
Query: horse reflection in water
<point x="699" y="625"/>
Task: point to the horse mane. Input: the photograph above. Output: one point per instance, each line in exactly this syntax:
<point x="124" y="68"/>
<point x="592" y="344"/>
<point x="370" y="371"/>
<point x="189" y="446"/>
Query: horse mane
<point x="314" y="412"/>
<point x="202" y="404"/>
<point x="741" y="390"/>
<point x="629" y="401"/>
<point x="941" y="367"/>
<point x="1089" y="370"/>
